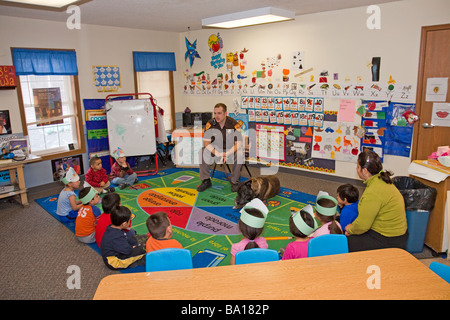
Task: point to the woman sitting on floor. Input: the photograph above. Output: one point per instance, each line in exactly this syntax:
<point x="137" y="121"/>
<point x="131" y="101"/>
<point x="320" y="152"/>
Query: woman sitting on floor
<point x="381" y="222"/>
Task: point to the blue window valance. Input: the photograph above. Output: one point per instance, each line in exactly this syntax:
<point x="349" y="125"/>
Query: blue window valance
<point x="154" y="61"/>
<point x="44" y="62"/>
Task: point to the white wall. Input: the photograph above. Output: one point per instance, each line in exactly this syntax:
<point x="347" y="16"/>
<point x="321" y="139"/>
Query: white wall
<point x="337" y="41"/>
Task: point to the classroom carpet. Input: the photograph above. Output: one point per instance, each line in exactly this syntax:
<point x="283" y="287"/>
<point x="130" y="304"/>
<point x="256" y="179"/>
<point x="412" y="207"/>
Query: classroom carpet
<point x="203" y="222"/>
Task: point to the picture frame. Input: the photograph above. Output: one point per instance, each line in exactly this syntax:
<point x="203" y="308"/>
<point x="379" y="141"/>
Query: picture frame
<point x="22" y="144"/>
<point x="5" y="123"/>
<point x="60" y="166"/>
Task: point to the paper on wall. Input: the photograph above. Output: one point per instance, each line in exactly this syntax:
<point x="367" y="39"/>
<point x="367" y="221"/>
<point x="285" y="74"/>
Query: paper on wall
<point x="436" y="89"/>
<point x="440" y="115"/>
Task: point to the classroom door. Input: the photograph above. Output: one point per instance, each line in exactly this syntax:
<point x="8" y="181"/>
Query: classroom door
<point x="434" y="63"/>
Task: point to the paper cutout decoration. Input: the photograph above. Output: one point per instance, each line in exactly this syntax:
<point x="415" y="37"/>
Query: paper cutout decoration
<point x="215" y="45"/>
<point x="106" y="78"/>
<point x="191" y="51"/>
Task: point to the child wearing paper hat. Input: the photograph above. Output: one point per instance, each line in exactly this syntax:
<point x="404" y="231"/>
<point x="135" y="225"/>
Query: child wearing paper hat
<point x="68" y="206"/>
<point x="326" y="211"/>
<point x="121" y="172"/>
<point x="301" y="224"/>
<point x="87" y="215"/>
<point x="251" y="225"/>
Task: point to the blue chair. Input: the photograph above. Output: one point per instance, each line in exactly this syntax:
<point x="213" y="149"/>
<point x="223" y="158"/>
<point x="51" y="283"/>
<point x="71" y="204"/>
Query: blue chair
<point x="327" y="244"/>
<point x="256" y="255"/>
<point x="168" y="259"/>
<point x="441" y="270"/>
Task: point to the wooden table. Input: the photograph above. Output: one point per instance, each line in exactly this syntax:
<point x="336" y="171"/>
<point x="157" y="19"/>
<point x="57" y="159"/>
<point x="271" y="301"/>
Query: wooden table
<point x="344" y="276"/>
<point x="19" y="186"/>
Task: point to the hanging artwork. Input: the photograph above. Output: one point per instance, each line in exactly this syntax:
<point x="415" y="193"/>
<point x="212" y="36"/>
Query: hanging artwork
<point x="106" y="78"/>
<point x="215" y="45"/>
<point x="191" y="51"/>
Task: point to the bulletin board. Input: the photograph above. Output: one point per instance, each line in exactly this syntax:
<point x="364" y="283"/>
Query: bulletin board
<point x="131" y="126"/>
<point x="302" y="115"/>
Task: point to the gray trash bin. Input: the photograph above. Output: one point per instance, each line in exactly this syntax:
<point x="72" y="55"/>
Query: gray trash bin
<point x="419" y="201"/>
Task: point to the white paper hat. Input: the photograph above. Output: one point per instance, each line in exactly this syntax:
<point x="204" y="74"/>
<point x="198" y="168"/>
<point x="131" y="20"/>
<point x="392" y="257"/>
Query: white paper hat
<point x="71" y="176"/>
<point x="118" y="153"/>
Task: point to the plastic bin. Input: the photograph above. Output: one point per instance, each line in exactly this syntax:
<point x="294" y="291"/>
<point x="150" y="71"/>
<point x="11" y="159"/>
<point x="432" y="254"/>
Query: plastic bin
<point x="417" y="222"/>
<point x="419" y="201"/>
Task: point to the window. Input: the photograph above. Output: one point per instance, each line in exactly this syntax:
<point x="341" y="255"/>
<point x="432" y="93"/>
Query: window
<point x="154" y="75"/>
<point x="158" y="84"/>
<point x="49" y="101"/>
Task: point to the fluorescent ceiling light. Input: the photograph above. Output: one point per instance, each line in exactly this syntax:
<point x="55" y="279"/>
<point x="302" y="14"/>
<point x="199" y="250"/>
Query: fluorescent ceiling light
<point x="45" y="3"/>
<point x="248" y="18"/>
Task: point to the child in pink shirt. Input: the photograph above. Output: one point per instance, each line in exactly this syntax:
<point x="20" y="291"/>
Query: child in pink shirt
<point x="326" y="211"/>
<point x="251" y="224"/>
<point x="301" y="225"/>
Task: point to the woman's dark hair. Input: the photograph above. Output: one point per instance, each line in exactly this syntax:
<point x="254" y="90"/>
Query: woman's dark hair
<point x="372" y="162"/>
<point x="250" y="232"/>
<point x="308" y="220"/>
<point x="119" y="215"/>
<point x="333" y="227"/>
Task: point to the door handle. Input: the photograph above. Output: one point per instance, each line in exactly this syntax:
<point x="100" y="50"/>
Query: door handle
<point x="427" y="126"/>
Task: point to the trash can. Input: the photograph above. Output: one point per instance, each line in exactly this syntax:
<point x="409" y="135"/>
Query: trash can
<point x="419" y="201"/>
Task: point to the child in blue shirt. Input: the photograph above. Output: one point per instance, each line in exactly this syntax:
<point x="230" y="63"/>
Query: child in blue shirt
<point x="348" y="200"/>
<point x="68" y="205"/>
<point x="119" y="247"/>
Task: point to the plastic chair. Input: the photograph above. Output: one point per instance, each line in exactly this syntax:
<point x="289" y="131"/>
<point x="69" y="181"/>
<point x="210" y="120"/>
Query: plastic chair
<point x="327" y="244"/>
<point x="256" y="255"/>
<point x="441" y="270"/>
<point x="168" y="259"/>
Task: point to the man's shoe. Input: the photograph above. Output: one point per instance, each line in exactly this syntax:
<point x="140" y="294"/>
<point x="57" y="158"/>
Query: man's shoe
<point x="204" y="185"/>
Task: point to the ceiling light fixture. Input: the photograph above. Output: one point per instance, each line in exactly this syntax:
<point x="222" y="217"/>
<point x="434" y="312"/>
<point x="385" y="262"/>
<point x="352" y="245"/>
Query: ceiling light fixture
<point x="248" y="18"/>
<point x="44" y="3"/>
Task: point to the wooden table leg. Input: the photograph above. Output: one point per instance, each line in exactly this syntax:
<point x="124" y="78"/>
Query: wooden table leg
<point x="23" y="196"/>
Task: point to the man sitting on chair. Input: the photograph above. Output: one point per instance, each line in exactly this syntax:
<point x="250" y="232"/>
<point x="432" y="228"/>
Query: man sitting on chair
<point x="222" y="144"/>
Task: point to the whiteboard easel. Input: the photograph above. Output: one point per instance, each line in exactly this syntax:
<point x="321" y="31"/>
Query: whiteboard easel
<point x="131" y="127"/>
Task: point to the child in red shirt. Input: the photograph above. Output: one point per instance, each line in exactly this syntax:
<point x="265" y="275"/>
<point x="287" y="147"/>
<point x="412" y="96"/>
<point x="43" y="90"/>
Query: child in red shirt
<point x="109" y="201"/>
<point x="160" y="229"/>
<point x="97" y="177"/>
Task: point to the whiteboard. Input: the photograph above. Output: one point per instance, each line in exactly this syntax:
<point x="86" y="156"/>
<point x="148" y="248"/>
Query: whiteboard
<point x="131" y="126"/>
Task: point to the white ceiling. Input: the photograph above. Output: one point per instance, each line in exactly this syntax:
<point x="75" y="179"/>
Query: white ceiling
<point x="176" y="15"/>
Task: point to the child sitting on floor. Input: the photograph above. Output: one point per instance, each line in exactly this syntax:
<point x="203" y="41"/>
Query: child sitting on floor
<point x="251" y="225"/>
<point x="347" y="198"/>
<point x="160" y="230"/>
<point x="326" y="212"/>
<point x="87" y="215"/>
<point x="301" y="225"/>
<point x="97" y="177"/>
<point x="68" y="206"/>
<point x="109" y="201"/>
<point x="121" y="173"/>
<point x="119" y="247"/>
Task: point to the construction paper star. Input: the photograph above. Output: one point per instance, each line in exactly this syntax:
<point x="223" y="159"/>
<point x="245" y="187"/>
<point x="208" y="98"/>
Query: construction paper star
<point x="191" y="51"/>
